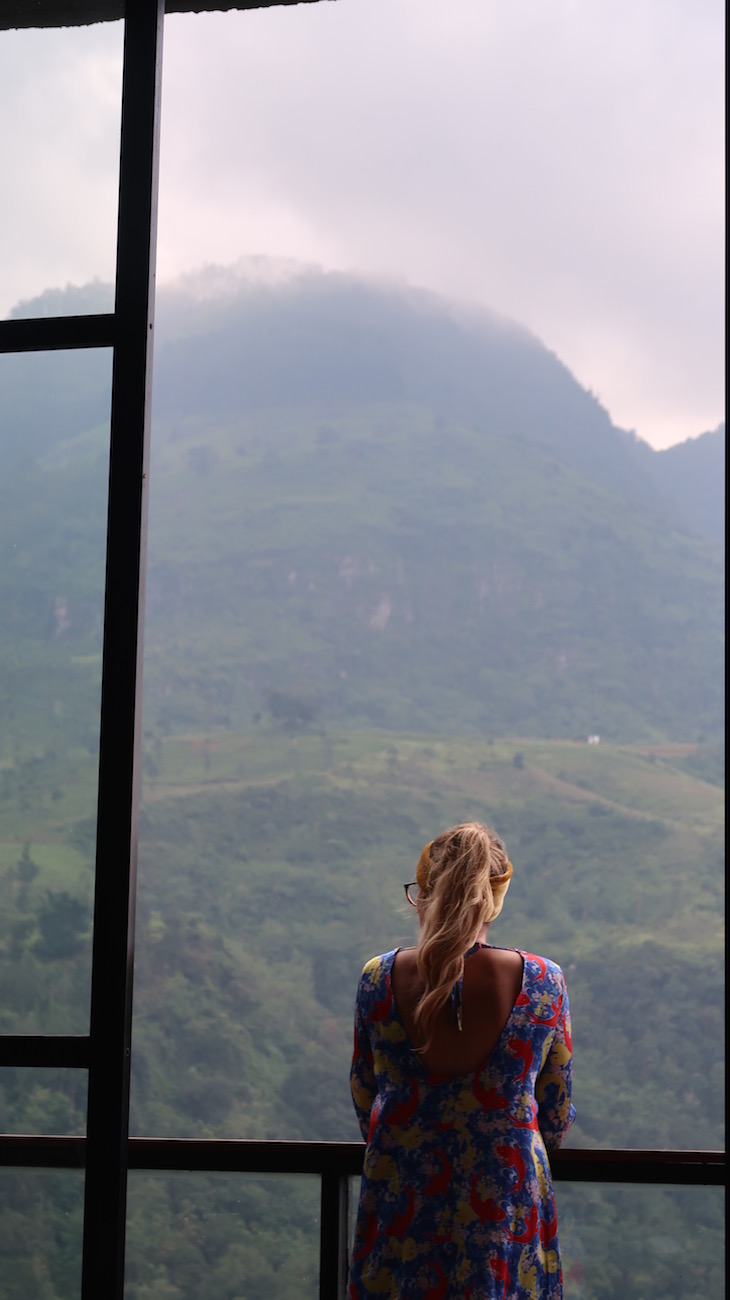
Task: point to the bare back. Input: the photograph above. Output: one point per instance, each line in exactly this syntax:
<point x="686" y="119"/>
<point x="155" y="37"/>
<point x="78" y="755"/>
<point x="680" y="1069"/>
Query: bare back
<point x="492" y="983"/>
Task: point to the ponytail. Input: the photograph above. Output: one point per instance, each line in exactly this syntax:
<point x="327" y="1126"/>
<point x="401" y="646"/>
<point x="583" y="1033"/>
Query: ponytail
<point x="463" y="877"/>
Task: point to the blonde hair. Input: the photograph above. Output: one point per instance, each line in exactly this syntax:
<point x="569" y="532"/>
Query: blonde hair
<point x="463" y="876"/>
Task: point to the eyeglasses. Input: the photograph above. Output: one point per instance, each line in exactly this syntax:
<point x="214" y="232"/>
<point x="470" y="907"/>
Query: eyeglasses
<point x="412" y="892"/>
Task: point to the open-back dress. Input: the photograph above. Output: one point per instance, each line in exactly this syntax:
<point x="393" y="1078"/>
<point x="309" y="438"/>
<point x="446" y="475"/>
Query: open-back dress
<point x="456" y="1199"/>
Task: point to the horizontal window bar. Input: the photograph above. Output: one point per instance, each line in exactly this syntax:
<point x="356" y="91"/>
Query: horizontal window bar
<point x="53" y="1050"/>
<point x="22" y="1152"/>
<point x="56" y="333"/>
<point x="241" y="1155"/>
<point x="344" y="1159"/>
<point x="79" y="13"/>
<point x="685" y="1168"/>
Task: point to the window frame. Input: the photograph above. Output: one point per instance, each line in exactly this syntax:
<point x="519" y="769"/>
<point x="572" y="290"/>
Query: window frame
<point x="107" y="1152"/>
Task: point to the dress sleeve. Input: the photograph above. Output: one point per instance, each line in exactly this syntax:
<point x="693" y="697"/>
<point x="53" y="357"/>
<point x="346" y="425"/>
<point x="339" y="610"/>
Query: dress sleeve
<point x="555" y="1111"/>
<point x="362" y="1074"/>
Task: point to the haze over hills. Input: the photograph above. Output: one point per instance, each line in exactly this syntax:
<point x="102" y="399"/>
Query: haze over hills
<point x="381" y="509"/>
<point x="281" y="333"/>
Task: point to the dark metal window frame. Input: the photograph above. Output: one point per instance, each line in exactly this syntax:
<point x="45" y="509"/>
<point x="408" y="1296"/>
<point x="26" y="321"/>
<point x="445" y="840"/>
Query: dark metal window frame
<point x="107" y="1152"/>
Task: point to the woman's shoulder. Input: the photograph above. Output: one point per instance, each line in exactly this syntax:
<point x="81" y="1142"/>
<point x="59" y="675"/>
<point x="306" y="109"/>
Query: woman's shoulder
<point x="545" y="963"/>
<point x="542" y="970"/>
<point x="382" y="959"/>
<point x="377" y="968"/>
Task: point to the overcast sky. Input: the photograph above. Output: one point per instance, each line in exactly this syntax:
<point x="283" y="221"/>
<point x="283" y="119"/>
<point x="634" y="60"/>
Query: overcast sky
<point x="560" y="161"/>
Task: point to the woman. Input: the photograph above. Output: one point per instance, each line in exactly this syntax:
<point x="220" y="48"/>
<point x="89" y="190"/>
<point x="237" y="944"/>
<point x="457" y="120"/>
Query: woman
<point x="461" y="1084"/>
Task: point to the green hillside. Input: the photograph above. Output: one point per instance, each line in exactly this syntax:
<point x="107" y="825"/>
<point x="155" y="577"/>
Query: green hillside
<point x="316" y="561"/>
<point x="318" y="558"/>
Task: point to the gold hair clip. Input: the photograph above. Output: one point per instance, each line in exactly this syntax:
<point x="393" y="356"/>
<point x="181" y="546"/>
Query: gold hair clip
<point x="424" y="866"/>
<point x="504" y="879"/>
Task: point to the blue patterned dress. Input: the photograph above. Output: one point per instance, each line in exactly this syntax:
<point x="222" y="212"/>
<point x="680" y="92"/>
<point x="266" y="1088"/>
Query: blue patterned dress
<point x="456" y="1199"/>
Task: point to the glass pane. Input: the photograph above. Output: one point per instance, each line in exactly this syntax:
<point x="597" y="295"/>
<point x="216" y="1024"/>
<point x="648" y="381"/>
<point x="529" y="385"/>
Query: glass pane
<point x="43" y="1101"/>
<point x="41" y="1225"/>
<point x="54" y="452"/>
<point x="404" y="570"/>
<point x="671" y="1241"/>
<point x="193" y="1236"/>
<point x="60" y="106"/>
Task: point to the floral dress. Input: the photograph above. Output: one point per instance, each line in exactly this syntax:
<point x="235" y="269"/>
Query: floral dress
<point x="456" y="1199"/>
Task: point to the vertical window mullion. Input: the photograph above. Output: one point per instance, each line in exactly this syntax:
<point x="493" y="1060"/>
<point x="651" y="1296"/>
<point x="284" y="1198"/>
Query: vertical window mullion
<point x="116" y="849"/>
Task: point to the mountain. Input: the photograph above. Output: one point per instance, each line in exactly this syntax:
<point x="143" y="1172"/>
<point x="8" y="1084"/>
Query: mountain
<point x="388" y="537"/>
<point x="268" y="333"/>
<point x="369" y="507"/>
<point x="282" y="334"/>
<point x="690" y="478"/>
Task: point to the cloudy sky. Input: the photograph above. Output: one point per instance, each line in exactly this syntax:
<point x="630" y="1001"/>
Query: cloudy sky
<point x="560" y="161"/>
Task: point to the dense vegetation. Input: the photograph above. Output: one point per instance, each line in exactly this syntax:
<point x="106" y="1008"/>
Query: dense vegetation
<point x="384" y="594"/>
